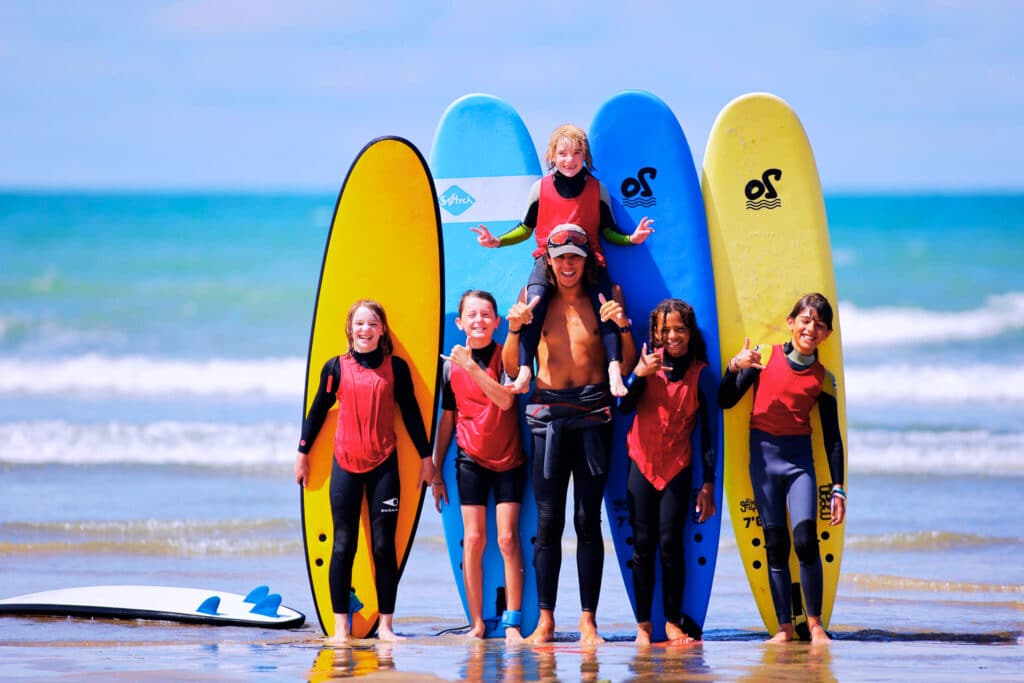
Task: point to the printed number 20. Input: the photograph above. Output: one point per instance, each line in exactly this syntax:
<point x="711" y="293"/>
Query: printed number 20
<point x="755" y="188"/>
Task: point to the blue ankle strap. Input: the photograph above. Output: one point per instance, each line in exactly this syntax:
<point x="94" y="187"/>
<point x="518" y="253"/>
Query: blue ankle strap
<point x="511" y="618"/>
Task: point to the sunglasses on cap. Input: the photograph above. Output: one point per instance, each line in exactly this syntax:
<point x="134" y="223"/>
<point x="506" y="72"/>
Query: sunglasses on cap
<point x="563" y="237"/>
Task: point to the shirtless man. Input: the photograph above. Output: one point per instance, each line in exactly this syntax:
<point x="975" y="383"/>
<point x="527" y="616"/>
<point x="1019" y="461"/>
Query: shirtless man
<point x="570" y="417"/>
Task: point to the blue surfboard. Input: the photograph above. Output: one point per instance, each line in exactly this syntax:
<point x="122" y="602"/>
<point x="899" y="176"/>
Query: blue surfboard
<point x="642" y="156"/>
<point x="484" y="162"/>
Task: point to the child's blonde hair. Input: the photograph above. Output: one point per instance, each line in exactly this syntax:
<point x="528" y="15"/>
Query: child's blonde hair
<point x="573" y="135"/>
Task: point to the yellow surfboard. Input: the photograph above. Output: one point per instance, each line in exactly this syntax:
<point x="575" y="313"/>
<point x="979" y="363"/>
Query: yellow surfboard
<point x="770" y="246"/>
<point x="384" y="244"/>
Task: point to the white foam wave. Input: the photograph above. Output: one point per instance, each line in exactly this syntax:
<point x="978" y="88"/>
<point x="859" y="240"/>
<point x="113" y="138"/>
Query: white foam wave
<point x="93" y="374"/>
<point x="874" y="327"/>
<point x="272" y="445"/>
<point x="154" y="443"/>
<point x="975" y="451"/>
<point x="906" y="383"/>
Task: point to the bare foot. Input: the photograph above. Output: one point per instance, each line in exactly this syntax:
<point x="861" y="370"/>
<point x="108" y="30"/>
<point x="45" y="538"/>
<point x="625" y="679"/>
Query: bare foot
<point x="341" y="633"/>
<point x="385" y="630"/>
<point x="478" y="630"/>
<point x="615" y="383"/>
<point x="388" y="636"/>
<point x="785" y="634"/>
<point x="545" y="631"/>
<point x="339" y="638"/>
<point x="818" y="635"/>
<point x="673" y="631"/>
<point x="521" y="385"/>
<point x="513" y="636"/>
<point x="588" y="630"/>
<point x="643" y="633"/>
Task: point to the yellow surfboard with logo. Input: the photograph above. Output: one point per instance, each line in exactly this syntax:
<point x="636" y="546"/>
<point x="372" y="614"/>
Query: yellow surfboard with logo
<point x="384" y="244"/>
<point x="769" y="246"/>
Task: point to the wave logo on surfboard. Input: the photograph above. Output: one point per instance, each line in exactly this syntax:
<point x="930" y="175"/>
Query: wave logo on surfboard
<point x="455" y="200"/>
<point x="761" y="193"/>
<point x="636" y="191"/>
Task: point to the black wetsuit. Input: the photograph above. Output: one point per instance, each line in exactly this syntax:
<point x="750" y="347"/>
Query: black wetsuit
<point x="381" y="485"/>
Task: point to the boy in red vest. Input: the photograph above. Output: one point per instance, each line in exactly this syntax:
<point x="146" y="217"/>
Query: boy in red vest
<point x="482" y="413"/>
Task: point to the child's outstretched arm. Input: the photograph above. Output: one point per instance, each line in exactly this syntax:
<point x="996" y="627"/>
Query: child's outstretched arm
<point x="514" y="236"/>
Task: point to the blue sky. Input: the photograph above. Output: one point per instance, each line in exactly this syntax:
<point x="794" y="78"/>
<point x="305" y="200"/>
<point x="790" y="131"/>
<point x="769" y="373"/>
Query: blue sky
<point x="254" y="94"/>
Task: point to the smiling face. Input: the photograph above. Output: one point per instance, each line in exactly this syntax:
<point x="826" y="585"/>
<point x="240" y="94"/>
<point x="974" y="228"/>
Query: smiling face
<point x="478" y="320"/>
<point x="366" y="330"/>
<point x="569" y="157"/>
<point x="674" y="335"/>
<point x="568" y="269"/>
<point x="808" y="330"/>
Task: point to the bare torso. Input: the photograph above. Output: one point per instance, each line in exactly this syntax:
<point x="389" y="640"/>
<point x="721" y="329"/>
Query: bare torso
<point x="570" y="353"/>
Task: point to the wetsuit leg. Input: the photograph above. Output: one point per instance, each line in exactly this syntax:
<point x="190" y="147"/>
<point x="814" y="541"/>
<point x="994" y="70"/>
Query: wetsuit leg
<point x="609" y="330"/>
<point x="767" y="475"/>
<point x="673" y="513"/>
<point x="537" y="286"/>
<point x="550" y="495"/>
<point x="346" y="499"/>
<point x="588" y="494"/>
<point x="382" y="494"/>
<point x="643" y="501"/>
<point x="803" y="501"/>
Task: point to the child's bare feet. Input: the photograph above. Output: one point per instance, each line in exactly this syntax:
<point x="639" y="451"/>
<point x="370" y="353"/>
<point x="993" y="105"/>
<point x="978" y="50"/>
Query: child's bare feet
<point x="588" y="630"/>
<point x="545" y="631"/>
<point x="785" y="634"/>
<point x="643" y="633"/>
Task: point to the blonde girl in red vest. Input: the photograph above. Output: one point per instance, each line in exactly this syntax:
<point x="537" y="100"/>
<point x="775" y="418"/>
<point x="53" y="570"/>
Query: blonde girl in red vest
<point x="368" y="382"/>
<point x="569" y="195"/>
<point x="786" y="389"/>
<point x="482" y="413"/>
<point x="671" y="391"/>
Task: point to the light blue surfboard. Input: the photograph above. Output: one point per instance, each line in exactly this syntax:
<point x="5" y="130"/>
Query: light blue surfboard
<point x="484" y="162"/>
<point x="642" y="156"/>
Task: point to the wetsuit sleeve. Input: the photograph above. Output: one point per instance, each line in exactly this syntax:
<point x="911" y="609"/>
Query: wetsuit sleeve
<point x="522" y="232"/>
<point x="635" y="386"/>
<point x="609" y="228"/>
<point x="405" y="397"/>
<point x="828" y="409"/>
<point x="706" y="412"/>
<point x="447" y="395"/>
<point x="734" y="385"/>
<point x="330" y="375"/>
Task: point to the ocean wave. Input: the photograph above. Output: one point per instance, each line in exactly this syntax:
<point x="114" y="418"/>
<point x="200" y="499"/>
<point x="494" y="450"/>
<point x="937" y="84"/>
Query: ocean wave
<point x="208" y="444"/>
<point x="927" y="541"/>
<point x="281" y="379"/>
<point x="909" y="583"/>
<point x="890" y="326"/>
<point x="974" y="451"/>
<point x="270" y="446"/>
<point x="95" y="374"/>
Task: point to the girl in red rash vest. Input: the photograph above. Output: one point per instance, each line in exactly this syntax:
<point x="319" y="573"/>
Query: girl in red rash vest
<point x="482" y="413"/>
<point x="786" y="389"/>
<point x="368" y="382"/>
<point x="569" y="195"/>
<point x="669" y="389"/>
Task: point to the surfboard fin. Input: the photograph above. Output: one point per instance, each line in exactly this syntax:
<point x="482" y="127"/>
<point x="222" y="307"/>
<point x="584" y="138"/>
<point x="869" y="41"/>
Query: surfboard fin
<point x="257" y="594"/>
<point x="209" y="605"/>
<point x="268" y="605"/>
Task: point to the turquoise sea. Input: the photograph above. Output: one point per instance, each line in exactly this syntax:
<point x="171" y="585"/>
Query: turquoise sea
<point x="152" y="358"/>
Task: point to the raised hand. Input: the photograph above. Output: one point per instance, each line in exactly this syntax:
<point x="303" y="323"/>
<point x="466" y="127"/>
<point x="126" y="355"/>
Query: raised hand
<point x="484" y="237"/>
<point x="461" y="356"/>
<point x="649" y="362"/>
<point x="642" y="232"/>
<point x="746" y="358"/>
<point x="612" y="310"/>
<point x="521" y="314"/>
